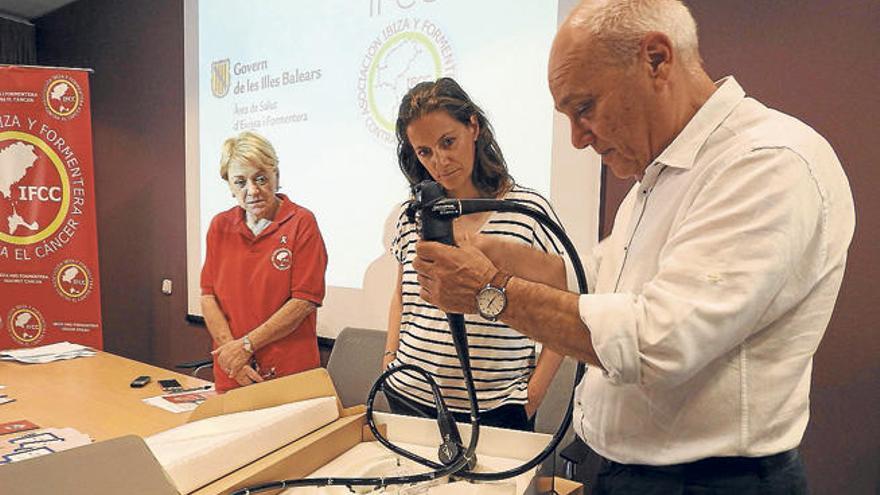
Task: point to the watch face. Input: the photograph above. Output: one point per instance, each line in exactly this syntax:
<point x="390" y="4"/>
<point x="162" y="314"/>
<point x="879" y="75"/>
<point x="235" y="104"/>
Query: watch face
<point x="491" y="302"/>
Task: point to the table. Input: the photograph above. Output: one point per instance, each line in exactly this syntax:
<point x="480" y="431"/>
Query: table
<point x="90" y="394"/>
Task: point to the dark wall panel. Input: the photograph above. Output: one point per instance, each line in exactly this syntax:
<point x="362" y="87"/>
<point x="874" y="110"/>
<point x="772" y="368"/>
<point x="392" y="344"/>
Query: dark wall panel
<point x="818" y="60"/>
<point x="136" y="50"/>
<point x="18" y="44"/>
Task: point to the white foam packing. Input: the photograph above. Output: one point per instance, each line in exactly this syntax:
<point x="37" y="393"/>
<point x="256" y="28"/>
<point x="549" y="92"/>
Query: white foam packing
<point x="372" y="459"/>
<point x="200" y="452"/>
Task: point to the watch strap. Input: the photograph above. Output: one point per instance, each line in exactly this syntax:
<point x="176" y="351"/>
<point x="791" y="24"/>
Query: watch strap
<point x="500" y="279"/>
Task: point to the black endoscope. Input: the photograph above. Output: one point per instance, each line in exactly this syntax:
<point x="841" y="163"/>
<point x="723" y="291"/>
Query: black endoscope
<point x="435" y="213"/>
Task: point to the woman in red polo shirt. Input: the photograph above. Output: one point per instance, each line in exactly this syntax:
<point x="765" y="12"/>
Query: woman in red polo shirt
<point x="263" y="276"/>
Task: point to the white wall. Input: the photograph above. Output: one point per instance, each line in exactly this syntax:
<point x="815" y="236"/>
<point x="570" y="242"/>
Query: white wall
<point x="574" y="192"/>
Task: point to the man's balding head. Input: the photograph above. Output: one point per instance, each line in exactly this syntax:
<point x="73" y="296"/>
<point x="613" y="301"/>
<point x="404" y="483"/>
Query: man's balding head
<point x="616" y="28"/>
<point x="628" y="75"/>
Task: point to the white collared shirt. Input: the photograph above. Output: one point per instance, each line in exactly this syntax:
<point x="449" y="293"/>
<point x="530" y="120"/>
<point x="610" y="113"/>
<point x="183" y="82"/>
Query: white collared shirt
<point x="714" y="289"/>
<point x="256" y="225"/>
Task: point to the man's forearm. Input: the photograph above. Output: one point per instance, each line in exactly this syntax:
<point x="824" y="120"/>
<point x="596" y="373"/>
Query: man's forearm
<point x="549" y="316"/>
<point x="525" y="262"/>
<point x="450" y="277"/>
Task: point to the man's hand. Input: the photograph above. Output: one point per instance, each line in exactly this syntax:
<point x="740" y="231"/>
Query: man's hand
<point x="231" y="357"/>
<point x="450" y="276"/>
<point x="493" y="247"/>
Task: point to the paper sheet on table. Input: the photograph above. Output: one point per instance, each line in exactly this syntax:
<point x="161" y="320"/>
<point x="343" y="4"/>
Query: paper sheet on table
<point x="34" y="443"/>
<point x="47" y="353"/>
<point x="180" y="402"/>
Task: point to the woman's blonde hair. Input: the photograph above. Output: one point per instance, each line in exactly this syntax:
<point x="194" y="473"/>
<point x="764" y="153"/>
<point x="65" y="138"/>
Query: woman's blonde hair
<point x="248" y="147"/>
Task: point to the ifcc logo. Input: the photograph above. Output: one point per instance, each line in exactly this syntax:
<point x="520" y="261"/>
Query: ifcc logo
<point x="62" y="97"/>
<point x="34" y="189"/>
<point x="220" y="78"/>
<point x="26" y="325"/>
<point x="405" y="53"/>
<point x="282" y="258"/>
<point x="72" y="280"/>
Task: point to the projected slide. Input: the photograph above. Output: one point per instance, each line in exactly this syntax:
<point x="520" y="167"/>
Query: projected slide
<point x="322" y="79"/>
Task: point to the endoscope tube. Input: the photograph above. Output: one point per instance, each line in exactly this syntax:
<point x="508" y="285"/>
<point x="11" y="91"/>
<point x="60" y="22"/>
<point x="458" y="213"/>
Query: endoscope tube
<point x="456" y="207"/>
<point x="453" y="208"/>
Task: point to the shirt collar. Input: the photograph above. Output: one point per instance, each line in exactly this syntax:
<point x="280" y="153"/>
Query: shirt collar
<point x="286" y="210"/>
<point x="682" y="152"/>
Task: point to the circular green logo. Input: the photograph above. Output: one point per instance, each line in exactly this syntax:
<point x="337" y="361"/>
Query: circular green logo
<point x="405" y="53"/>
<point x="404" y="60"/>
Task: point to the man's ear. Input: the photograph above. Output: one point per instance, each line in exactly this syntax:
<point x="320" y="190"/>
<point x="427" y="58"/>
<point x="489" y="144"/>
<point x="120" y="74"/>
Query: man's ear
<point x="656" y="51"/>
<point x="655" y="60"/>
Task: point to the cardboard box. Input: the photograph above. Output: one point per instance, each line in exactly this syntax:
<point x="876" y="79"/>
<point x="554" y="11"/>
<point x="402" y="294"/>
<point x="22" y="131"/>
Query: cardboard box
<point x="120" y="465"/>
<point x="126" y="465"/>
<point x="561" y="486"/>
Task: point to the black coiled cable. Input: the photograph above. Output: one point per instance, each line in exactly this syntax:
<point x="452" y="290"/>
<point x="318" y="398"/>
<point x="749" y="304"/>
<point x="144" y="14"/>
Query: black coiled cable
<point x="451" y="208"/>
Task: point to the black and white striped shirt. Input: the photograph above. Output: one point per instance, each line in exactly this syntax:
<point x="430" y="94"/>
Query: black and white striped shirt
<point x="502" y="359"/>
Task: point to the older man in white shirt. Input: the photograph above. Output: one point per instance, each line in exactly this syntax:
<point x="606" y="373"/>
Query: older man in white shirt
<point x="714" y="289"/>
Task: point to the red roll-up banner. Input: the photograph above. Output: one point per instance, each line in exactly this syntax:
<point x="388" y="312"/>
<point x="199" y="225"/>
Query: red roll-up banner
<point x="49" y="283"/>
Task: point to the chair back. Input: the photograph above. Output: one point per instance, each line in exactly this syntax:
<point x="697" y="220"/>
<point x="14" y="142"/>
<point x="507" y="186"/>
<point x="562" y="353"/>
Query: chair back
<point x="201" y="368"/>
<point x="354" y="364"/>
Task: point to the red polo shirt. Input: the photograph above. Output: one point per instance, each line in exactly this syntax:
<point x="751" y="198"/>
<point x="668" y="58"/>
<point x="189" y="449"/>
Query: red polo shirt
<point x="253" y="276"/>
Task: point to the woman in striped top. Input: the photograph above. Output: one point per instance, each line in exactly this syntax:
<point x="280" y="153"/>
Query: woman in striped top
<point x="442" y="135"/>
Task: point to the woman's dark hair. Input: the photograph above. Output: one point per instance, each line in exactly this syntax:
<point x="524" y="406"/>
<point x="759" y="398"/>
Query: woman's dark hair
<point x="490" y="173"/>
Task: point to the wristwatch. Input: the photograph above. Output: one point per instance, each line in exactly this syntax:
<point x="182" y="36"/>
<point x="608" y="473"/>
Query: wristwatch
<point x="247" y="344"/>
<point x="491" y="300"/>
